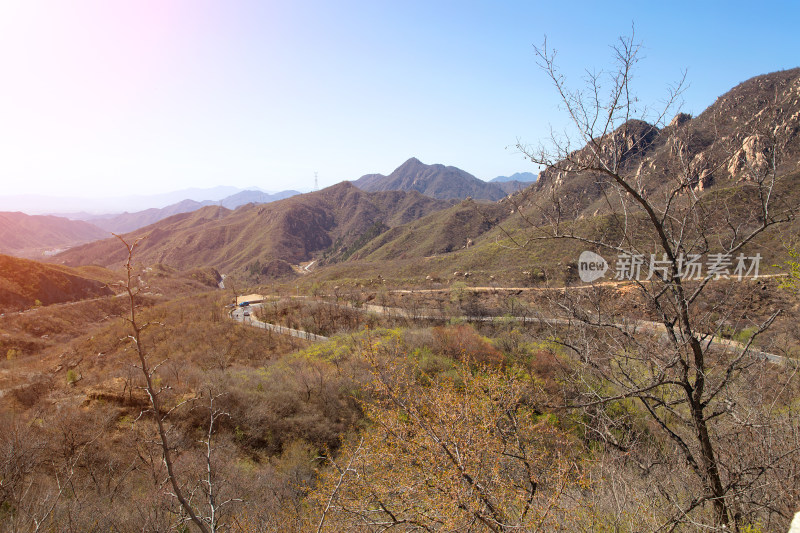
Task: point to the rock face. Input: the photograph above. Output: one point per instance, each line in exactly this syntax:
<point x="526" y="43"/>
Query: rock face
<point x="752" y="159"/>
<point x="795" y="527"/>
<point x="751" y="130"/>
<point x="699" y="167"/>
<point x="679" y="120"/>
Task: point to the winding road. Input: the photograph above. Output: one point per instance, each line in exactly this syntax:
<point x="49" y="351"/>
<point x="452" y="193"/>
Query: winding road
<point x="239" y="315"/>
<point x="243" y="315"/>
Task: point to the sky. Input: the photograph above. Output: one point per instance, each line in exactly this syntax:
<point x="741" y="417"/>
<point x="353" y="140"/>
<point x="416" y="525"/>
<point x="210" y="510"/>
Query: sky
<point x="108" y="98"/>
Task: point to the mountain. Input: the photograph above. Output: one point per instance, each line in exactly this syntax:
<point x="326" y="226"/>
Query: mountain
<point x="441" y="232"/>
<point x="720" y="148"/>
<point x="344" y="222"/>
<point x="24" y="282"/>
<point x="511" y="187"/>
<point x="33" y="235"/>
<point x="436" y="181"/>
<point x="254" y="197"/>
<point x="522" y="177"/>
<point x="42" y="204"/>
<point x="514" y="183"/>
<point x="125" y="222"/>
<point x="290" y="230"/>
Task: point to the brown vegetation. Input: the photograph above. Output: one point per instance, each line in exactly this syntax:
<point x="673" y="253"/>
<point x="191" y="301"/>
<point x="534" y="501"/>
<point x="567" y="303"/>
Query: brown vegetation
<point x="290" y="230"/>
<point x="632" y="406"/>
<point x="31" y="235"/>
<point x="25" y="283"/>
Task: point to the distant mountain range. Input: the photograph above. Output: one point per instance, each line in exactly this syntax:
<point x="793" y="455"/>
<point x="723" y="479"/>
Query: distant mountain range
<point x="333" y="220"/>
<point x="32" y="235"/>
<point x="444" y="182"/>
<point x="365" y="219"/>
<point x="522" y="177"/>
<point x="36" y="235"/>
<point x="254" y="197"/>
<point x="125" y="222"/>
<point x="41" y="204"/>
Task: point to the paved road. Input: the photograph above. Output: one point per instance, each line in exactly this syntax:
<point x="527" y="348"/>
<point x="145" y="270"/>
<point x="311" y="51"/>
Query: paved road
<point x="634" y="325"/>
<point x="640" y="325"/>
<point x="608" y="283"/>
<point x="238" y="314"/>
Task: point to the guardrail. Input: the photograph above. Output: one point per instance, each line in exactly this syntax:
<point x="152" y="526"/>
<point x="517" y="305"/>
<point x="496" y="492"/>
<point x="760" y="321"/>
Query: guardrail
<point x="238" y="315"/>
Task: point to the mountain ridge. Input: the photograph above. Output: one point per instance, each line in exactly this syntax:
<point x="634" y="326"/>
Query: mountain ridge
<point x="25" y="283"/>
<point x="716" y="148"/>
<point x="31" y="236"/>
<point x="437" y="181"/>
<point x="291" y="230"/>
<point x="126" y="222"/>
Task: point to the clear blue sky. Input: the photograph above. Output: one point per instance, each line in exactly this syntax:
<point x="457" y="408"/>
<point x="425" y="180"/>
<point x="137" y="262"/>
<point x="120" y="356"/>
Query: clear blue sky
<point x="115" y="97"/>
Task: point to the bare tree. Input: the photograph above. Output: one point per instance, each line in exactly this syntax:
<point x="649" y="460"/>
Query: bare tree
<point x="659" y="220"/>
<point x="160" y="414"/>
<point x="211" y="485"/>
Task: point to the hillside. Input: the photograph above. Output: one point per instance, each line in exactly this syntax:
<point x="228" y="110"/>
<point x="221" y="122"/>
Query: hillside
<point x="31" y="236"/>
<point x="436" y="181"/>
<point x="24" y="282"/>
<point x="440" y="232"/>
<point x="727" y="144"/>
<point x="290" y="230"/>
<point x="720" y="146"/>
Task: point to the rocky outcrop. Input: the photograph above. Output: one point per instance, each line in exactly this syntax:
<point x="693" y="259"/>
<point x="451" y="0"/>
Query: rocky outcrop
<point x="751" y="130"/>
<point x="700" y="170"/>
<point x="679" y="120"/>
<point x="795" y="526"/>
<point x="752" y="159"/>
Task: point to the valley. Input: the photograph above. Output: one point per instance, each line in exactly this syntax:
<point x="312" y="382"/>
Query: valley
<point x="610" y="343"/>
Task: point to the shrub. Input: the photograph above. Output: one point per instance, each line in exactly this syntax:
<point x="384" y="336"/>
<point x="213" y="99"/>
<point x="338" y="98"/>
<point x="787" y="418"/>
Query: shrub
<point x="463" y="343"/>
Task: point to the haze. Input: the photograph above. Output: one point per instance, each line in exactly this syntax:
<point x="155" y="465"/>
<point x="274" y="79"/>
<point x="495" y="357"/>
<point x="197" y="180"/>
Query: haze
<point x="113" y="98"/>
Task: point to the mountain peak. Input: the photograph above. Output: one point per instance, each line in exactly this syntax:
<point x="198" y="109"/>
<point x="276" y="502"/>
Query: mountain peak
<point x="437" y="181"/>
